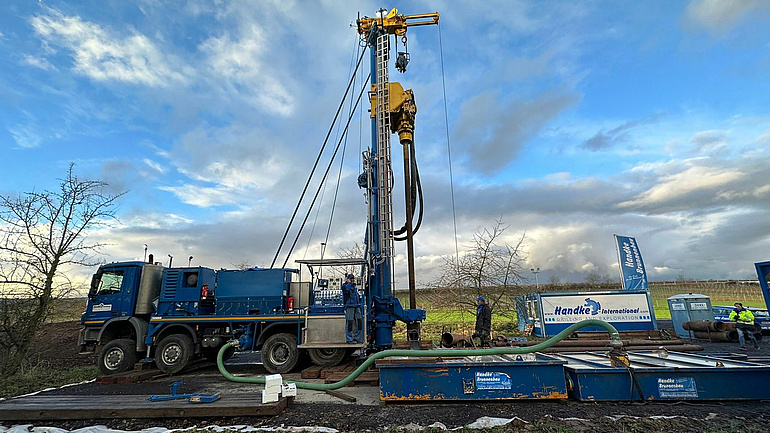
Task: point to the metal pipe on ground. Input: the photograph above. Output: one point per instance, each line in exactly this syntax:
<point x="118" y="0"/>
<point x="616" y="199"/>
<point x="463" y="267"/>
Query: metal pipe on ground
<point x="449" y="339"/>
<point x="732" y="326"/>
<point x="722" y="336"/>
<point x="680" y="348"/>
<point x="602" y="335"/>
<point x="715" y="336"/>
<point x="704" y="326"/>
<point x="603" y="343"/>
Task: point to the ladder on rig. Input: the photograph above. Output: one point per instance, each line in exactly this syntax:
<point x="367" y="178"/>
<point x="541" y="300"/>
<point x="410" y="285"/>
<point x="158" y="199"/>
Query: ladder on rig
<point x="384" y="170"/>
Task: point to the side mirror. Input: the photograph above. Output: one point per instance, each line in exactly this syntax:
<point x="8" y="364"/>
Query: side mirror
<point x="94" y="285"/>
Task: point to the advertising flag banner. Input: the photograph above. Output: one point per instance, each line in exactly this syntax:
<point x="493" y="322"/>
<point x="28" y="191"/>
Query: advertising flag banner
<point x="632" y="273"/>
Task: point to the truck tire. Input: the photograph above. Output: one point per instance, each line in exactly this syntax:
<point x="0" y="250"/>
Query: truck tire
<point x="280" y="353"/>
<point x="327" y="357"/>
<point x="173" y="353"/>
<point x="117" y="356"/>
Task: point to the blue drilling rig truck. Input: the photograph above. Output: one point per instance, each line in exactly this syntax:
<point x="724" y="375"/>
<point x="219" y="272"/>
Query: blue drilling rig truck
<point x="172" y="315"/>
<point x="175" y="315"/>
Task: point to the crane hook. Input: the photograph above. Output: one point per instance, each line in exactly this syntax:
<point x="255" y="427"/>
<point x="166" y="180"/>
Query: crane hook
<point x="403" y="57"/>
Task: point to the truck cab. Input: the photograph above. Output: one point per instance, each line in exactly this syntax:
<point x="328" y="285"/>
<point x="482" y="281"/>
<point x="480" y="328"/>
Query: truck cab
<point x="120" y="303"/>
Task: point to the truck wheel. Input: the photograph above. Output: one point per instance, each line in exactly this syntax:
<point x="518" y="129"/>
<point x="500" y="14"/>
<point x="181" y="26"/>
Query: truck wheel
<point x="327" y="357"/>
<point x="173" y="353"/>
<point x="117" y="356"/>
<point x="280" y="353"/>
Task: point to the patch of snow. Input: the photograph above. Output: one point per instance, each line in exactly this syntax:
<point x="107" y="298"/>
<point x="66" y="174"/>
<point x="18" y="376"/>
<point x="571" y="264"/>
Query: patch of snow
<point x="489" y="422"/>
<point x="51" y="389"/>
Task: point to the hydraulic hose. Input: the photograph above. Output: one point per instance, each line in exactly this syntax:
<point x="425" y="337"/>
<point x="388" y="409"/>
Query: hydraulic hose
<point x="615" y="342"/>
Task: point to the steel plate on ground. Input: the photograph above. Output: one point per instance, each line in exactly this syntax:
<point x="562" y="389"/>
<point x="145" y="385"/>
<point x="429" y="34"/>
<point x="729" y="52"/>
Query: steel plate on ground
<point x="496" y="377"/>
<point x="662" y="375"/>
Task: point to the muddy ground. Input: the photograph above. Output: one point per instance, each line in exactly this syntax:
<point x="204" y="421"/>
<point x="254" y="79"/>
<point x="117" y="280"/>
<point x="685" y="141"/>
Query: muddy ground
<point x="56" y="346"/>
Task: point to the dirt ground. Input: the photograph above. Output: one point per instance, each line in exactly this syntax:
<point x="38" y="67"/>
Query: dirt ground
<point x="57" y="346"/>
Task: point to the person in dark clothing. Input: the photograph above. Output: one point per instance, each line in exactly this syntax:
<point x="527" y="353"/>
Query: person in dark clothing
<point x="483" y="321"/>
<point x="353" y="316"/>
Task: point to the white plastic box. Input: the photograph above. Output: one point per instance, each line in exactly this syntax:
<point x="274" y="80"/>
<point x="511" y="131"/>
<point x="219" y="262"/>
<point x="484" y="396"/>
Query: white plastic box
<point x="289" y="390"/>
<point x="269" y="397"/>
<point x="273" y="383"/>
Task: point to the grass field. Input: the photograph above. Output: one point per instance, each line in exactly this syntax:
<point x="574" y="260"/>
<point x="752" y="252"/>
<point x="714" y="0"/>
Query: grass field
<point x="67" y="309"/>
<point x="445" y="315"/>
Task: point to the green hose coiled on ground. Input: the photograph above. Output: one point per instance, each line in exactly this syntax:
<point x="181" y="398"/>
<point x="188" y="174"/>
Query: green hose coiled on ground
<point x="615" y="342"/>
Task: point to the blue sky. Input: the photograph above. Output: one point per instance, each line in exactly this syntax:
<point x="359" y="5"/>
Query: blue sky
<point x="569" y="121"/>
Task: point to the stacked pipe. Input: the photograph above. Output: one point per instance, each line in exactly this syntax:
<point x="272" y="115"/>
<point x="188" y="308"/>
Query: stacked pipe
<point x="449" y="339"/>
<point x="600" y="341"/>
<point x="717" y="331"/>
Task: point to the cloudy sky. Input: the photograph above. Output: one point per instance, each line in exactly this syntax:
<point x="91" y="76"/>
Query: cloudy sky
<point x="570" y="121"/>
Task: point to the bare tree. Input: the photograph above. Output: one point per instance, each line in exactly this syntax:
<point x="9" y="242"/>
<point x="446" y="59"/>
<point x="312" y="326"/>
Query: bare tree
<point x="242" y="265"/>
<point x="486" y="269"/>
<point x="43" y="235"/>
<point x="554" y="281"/>
<point x="354" y="252"/>
<point x="593" y="278"/>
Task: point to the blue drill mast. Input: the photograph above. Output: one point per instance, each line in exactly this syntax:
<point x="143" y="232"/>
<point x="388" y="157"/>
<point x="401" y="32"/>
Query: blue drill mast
<point x="392" y="111"/>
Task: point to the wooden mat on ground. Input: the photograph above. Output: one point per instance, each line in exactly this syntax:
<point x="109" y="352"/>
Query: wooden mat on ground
<point x="62" y="407"/>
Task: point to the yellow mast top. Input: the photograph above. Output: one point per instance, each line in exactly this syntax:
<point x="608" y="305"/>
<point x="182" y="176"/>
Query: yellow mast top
<point x="395" y="23"/>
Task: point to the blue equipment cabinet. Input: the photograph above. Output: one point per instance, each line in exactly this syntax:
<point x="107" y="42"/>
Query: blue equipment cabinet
<point x="181" y="291"/>
<point x="687" y="307"/>
<point x="663" y="375"/>
<point x="499" y="377"/>
<point x="252" y="291"/>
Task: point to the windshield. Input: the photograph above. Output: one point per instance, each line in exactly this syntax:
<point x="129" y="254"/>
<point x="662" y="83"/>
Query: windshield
<point x="109" y="283"/>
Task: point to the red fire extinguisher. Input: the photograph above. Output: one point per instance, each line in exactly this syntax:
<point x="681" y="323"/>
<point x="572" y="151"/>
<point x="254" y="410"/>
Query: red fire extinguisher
<point x="290" y="303"/>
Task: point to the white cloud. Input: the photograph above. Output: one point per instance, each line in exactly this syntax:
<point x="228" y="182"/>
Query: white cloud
<point x="720" y="16"/>
<point x="709" y="141"/>
<point x="155" y="221"/>
<point x="26" y="136"/>
<point x="154" y="165"/>
<point x="247" y="173"/>
<point x="764" y="140"/>
<point x="239" y="62"/>
<point x="676" y="186"/>
<point x="662" y="270"/>
<point x="203" y="196"/>
<point x="102" y="56"/>
<point x="38" y="62"/>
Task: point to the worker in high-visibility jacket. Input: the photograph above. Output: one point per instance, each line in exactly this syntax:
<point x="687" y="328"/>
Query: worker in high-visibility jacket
<point x="744" y="324"/>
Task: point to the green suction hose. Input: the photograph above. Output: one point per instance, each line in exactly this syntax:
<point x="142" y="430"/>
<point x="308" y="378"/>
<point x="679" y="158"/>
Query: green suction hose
<point x="615" y="342"/>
